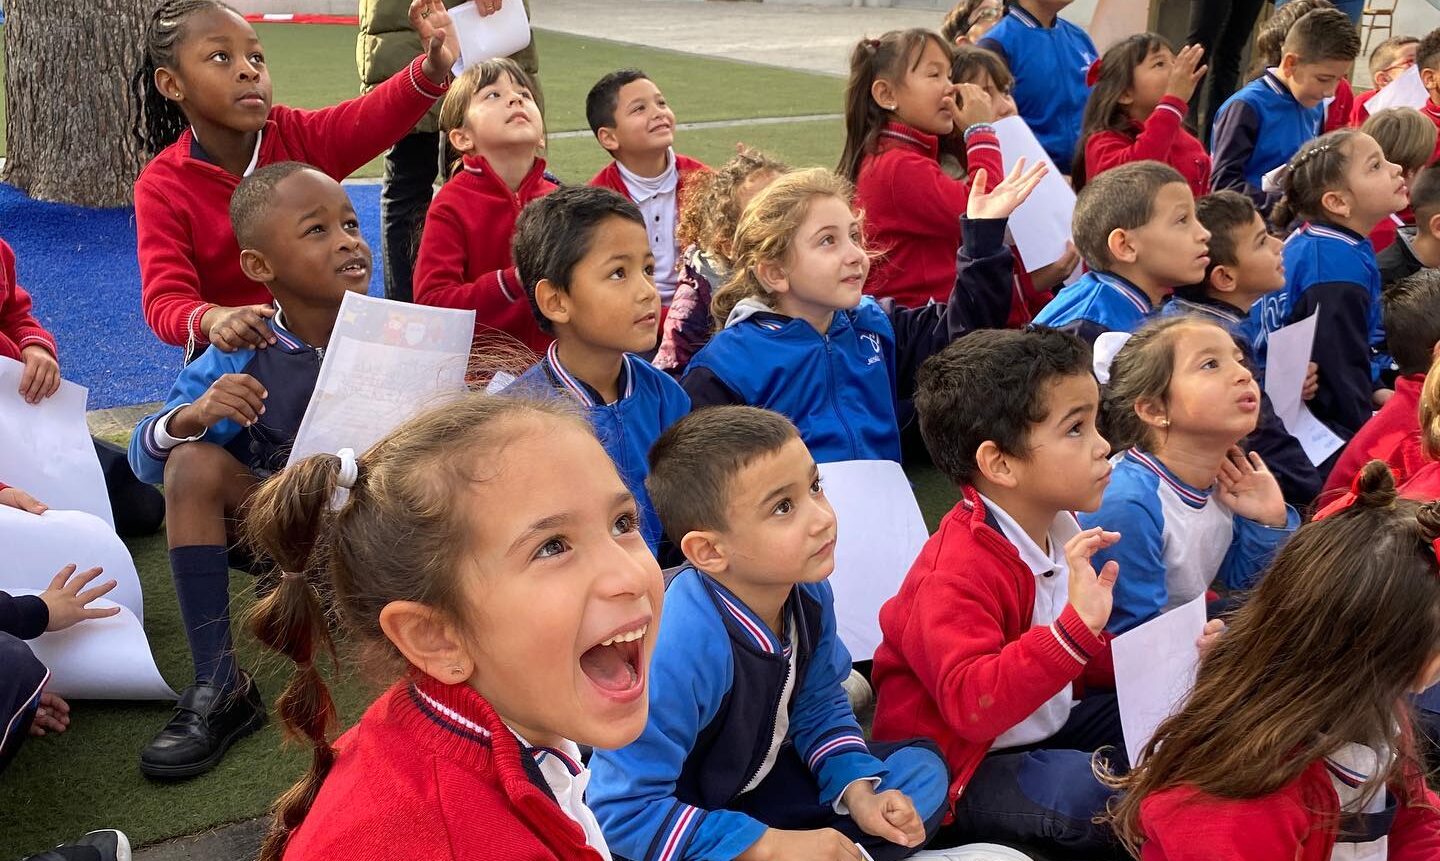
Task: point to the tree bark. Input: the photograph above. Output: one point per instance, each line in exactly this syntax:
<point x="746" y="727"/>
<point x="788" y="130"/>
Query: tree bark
<point x="67" y="68"/>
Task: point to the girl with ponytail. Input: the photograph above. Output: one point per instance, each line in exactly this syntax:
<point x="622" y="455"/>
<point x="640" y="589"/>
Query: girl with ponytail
<point x="488" y="556"/>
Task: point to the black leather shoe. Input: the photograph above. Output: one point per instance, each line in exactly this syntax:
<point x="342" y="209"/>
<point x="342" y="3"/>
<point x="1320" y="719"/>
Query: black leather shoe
<point x="207" y="721"/>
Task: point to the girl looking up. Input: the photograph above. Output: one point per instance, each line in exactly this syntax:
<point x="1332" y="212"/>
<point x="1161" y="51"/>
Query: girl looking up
<point x="203" y="112"/>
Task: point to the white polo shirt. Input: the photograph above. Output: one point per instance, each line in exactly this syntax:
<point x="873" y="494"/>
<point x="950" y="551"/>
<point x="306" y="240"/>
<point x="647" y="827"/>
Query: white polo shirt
<point x="658" y="200"/>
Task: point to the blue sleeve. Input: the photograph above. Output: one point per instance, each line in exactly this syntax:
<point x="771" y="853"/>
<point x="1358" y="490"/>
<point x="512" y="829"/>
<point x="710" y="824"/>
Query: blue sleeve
<point x="1345" y="399"/>
<point x="822" y="725"/>
<point x="632" y="790"/>
<point x="1251" y="549"/>
<point x="1086" y="330"/>
<point x="146" y="459"/>
<point x="997" y="48"/>
<point x="1132" y="509"/>
<point x="704" y="388"/>
<point x="24" y="617"/>
<point x="1231" y="144"/>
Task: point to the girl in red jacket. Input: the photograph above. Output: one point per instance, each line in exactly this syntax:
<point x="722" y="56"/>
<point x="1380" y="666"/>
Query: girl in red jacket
<point x="489" y="552"/>
<point x="898" y="104"/>
<point x="203" y="88"/>
<point x="493" y="125"/>
<point x="1295" y="741"/>
<point x="1141" y="93"/>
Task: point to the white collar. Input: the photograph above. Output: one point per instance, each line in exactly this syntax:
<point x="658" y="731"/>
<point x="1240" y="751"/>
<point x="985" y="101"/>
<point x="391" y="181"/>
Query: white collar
<point x="254" y="156"/>
<point x="643" y="188"/>
<point x="1033" y="555"/>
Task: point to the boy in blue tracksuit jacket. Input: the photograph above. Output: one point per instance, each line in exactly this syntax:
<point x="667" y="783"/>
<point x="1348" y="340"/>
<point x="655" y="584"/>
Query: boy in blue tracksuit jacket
<point x="584" y="258"/>
<point x="751" y="742"/>
<point x="1050" y="59"/>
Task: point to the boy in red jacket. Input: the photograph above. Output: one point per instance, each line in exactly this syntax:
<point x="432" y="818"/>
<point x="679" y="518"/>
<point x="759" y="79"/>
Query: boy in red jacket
<point x="1002" y="612"/>
<point x="634" y="123"/>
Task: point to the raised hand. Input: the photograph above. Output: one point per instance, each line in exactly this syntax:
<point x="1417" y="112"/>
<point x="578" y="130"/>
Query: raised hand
<point x="1185" y="75"/>
<point x="969" y="105"/>
<point x="66" y="601"/>
<point x="41" y="377"/>
<point x="432" y="22"/>
<point x="890" y="815"/>
<point x="1092" y="595"/>
<point x="1249" y="489"/>
<point x="233" y="328"/>
<point x="237" y="397"/>
<point x="1002" y="200"/>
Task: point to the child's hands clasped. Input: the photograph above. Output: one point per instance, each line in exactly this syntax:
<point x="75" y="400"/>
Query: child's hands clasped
<point x="1249" y="489"/>
<point x="237" y="397"/>
<point x="1185" y="75"/>
<point x="14" y="497"/>
<point x="431" y="21"/>
<point x="1003" y="199"/>
<point x="231" y="329"/>
<point x="1092" y="595"/>
<point x="890" y="815"/>
<point x="66" y="601"/>
<point x="41" y="377"/>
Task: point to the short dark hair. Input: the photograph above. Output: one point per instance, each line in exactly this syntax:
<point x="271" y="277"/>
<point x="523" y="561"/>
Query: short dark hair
<point x="1412" y="327"/>
<point x="1321" y="35"/>
<point x="1427" y="53"/>
<point x="969" y="60"/>
<point x="695" y="460"/>
<point x="555" y="231"/>
<point x="1222" y="213"/>
<point x="1425" y="195"/>
<point x="991" y="385"/>
<point x="250" y="202"/>
<point x="604" y="98"/>
<point x="1121" y="198"/>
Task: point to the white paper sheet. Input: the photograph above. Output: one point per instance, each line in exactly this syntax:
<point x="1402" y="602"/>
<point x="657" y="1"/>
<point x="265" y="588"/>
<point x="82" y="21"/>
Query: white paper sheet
<point x="881" y="532"/>
<point x="101" y="659"/>
<point x="45" y="448"/>
<point x="1040" y="225"/>
<point x="1286" y="365"/>
<point x="1406" y="91"/>
<point x="386" y="361"/>
<point x="37" y="546"/>
<point x="1155" y="669"/>
<point x="491" y="36"/>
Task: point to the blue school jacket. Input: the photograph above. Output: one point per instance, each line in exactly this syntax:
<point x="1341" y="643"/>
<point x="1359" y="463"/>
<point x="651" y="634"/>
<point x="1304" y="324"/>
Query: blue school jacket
<point x="649" y="403"/>
<point x="1050" y="65"/>
<point x="848" y="390"/>
<point x="715" y="683"/>
<point x="1257" y="130"/>
<point x="1174" y="540"/>
<point x="287" y="369"/>
<point x="1099" y="302"/>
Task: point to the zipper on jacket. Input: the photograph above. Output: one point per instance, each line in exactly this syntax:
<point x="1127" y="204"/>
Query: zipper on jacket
<point x="834" y="405"/>
<point x="769" y="727"/>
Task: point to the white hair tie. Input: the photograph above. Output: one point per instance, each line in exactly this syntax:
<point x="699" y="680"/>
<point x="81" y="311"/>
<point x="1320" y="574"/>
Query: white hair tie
<point x="349" y="470"/>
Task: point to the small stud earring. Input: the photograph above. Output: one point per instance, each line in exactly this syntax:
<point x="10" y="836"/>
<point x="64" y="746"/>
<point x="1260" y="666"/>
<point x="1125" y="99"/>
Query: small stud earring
<point x="456" y="671"/>
<point x="1164" y="423"/>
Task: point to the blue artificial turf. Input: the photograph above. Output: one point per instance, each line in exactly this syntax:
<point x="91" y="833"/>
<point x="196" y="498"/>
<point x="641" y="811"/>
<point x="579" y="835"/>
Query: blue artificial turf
<point x="80" y="268"/>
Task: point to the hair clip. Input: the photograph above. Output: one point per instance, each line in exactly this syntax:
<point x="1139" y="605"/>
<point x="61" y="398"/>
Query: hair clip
<point x="1092" y="75"/>
<point x="872" y="44"/>
<point x="1306" y="155"/>
<point x="349" y="470"/>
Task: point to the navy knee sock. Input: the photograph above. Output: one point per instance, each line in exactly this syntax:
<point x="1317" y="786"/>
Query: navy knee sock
<point x="202" y="583"/>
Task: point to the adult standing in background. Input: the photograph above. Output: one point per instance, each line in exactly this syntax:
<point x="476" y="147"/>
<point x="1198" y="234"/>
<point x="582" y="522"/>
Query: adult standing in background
<point x="1224" y="30"/>
<point x="385" y="45"/>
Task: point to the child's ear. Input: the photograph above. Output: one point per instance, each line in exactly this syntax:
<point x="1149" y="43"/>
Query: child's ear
<point x="553" y="302"/>
<point x="1121" y="246"/>
<point x="427" y="640"/>
<point x="1288" y="62"/>
<point x="1430" y="78"/>
<point x="995" y="466"/>
<point x="883" y="92"/>
<point x="168" y="84"/>
<point x="460" y="140"/>
<point x="1127" y="98"/>
<point x="607" y="138"/>
<point x="1222" y="280"/>
<point x="705" y="551"/>
<point x="1336" y="202"/>
<point x="1432" y="225"/>
<point x="256" y="267"/>
<point x="772" y="275"/>
<point x="1152" y="413"/>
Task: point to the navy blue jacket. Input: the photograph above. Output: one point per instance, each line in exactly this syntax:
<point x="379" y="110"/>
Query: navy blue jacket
<point x="1257" y="130"/>
<point x="23" y="616"/>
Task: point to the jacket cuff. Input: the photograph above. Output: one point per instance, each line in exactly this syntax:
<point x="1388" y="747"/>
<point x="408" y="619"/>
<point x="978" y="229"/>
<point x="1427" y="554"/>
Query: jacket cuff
<point x="39" y="338"/>
<point x="983" y="237"/>
<point x="33" y="614"/>
<point x="1073" y="636"/>
<point x="426" y="87"/>
<point x="981" y="136"/>
<point x="1173" y="105"/>
<point x="843" y="769"/>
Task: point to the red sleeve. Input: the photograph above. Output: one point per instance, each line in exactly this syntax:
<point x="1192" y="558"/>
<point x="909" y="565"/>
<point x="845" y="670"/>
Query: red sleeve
<point x="982" y="149"/>
<point x="1337" y="115"/>
<point x="1184" y="825"/>
<point x="170" y="284"/>
<point x="1110" y="149"/>
<point x="17" y="324"/>
<point x="921" y="190"/>
<point x="1415" y="836"/>
<point x="341" y="139"/>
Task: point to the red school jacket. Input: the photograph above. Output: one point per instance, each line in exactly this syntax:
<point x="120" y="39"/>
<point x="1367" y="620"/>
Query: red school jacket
<point x="465" y="260"/>
<point x="609" y="177"/>
<point x="1432" y="111"/>
<point x="960" y="662"/>
<point x="18" y="327"/>
<point x="1391" y="435"/>
<point x="912" y="210"/>
<point x="1162" y="137"/>
<point x="189" y="258"/>
<point x="431" y="772"/>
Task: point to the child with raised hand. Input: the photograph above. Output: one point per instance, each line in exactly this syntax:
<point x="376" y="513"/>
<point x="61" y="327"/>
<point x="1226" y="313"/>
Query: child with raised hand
<point x="1412" y="252"/>
<point x="1338" y="187"/>
<point x="634" y="123"/>
<point x="229" y="422"/>
<point x="800" y="337"/>
<point x="1296" y="741"/>
<point x="488" y="556"/>
<point x="1136" y="229"/>
<point x="899" y="103"/>
<point x="205" y="116"/>
<point x="1002" y="613"/>
<point x="1390" y="59"/>
<point x="752" y="752"/>
<point x="492" y="123"/>
<point x="709" y="211"/>
<point x="1191" y="507"/>
<point x="1408" y="139"/>
<point x="588" y="277"/>
<point x="1137" y="109"/>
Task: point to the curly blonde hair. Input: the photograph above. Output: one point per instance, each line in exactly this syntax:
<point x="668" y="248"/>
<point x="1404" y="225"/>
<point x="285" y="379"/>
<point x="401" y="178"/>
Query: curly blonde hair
<point x="710" y="206"/>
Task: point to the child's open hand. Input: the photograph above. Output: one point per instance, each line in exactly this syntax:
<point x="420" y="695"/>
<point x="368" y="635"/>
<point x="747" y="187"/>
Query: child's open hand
<point x="1185" y="75"/>
<point x="17" y="498"/>
<point x="1092" y="595"/>
<point x="237" y="397"/>
<point x="1002" y="200"/>
<point x="432" y="22"/>
<point x="969" y="105"/>
<point x="1249" y="489"/>
<point x="1209" y="637"/>
<point x="67" y="603"/>
<point x="889" y="815"/>
<point x="41" y="377"/>
<point x="53" y="716"/>
<point x="233" y="328"/>
<point x="824" y="844"/>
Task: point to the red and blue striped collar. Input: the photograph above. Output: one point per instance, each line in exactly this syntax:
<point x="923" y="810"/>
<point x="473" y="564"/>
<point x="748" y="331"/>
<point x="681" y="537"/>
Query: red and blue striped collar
<point x="1277" y="86"/>
<point x="448" y="718"/>
<point x="1134" y="295"/>
<point x="755" y="629"/>
<point x="1332" y="231"/>
<point x="569" y="760"/>
<point x="912" y="137"/>
<point x="284" y="336"/>
<point x="1024" y="17"/>
<point x="1191" y="496"/>
<point x="577" y="387"/>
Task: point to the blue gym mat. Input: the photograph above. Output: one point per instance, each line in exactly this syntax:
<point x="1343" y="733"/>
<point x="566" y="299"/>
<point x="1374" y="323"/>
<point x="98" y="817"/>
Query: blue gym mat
<point x="80" y="268"/>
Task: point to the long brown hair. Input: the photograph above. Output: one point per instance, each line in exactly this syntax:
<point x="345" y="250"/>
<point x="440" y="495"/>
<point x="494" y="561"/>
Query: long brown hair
<point x="1141" y="371"/>
<point x="1323" y="654"/>
<point x="1103" y="111"/>
<point x="710" y="205"/>
<point x="888" y="57"/>
<point x="1318" y="167"/>
<point x="399" y="535"/>
<point x="457" y="101"/>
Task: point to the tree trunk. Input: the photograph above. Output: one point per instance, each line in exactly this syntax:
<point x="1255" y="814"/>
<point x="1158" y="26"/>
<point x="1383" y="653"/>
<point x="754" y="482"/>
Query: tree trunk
<point x="67" y="68"/>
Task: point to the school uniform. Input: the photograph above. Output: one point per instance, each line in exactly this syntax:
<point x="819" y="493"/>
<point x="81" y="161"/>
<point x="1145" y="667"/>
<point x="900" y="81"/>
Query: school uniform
<point x="1028" y="299"/>
<point x="465" y="259"/>
<point x="1388" y="230"/>
<point x="1097" y="303"/>
<point x="189" y="257"/>
<point x="1319" y="816"/>
<point x="1360" y="111"/>
<point x="1399" y="260"/>
<point x="687" y="325"/>
<point x="1257" y="130"/>
<point x="1339" y="107"/>
<point x="748" y="731"/>
<point x="913" y="210"/>
<point x="1176" y="539"/>
<point x="1391" y="435"/>
<point x="981" y="651"/>
<point x="1432" y="112"/>
<point x="23" y="677"/>
<point x="18" y="327"/>
<point x="848" y="389"/>
<point x="431" y="771"/>
<point x="649" y="403"/>
<point x="1050" y="65"/>
<point x="1162" y="137"/>
<point x="659" y="201"/>
<point x="1332" y="271"/>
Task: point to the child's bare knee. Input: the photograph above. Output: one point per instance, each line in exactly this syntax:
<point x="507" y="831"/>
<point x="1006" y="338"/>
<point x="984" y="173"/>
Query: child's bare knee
<point x="197" y="469"/>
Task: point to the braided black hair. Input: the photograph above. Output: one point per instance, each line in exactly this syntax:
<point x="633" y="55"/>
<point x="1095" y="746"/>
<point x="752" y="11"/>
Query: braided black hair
<point x="159" y="122"/>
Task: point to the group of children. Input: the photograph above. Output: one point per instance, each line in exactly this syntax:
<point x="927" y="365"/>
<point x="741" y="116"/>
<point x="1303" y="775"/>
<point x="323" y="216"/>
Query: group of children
<point x="702" y="339"/>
